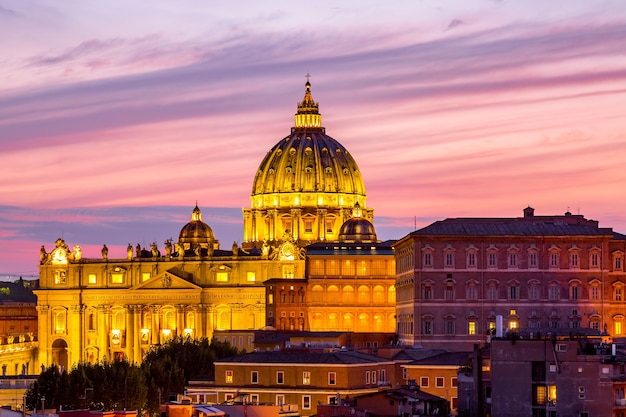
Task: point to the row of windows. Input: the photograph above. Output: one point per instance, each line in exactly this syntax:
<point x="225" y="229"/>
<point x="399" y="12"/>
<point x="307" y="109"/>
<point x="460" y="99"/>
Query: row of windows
<point x="279" y="399"/>
<point x="513" y="291"/>
<point x="118" y="276"/>
<point x="370" y="377"/>
<point x="513" y="324"/>
<point x="349" y="267"/>
<point x="514" y="260"/>
<point x="440" y="382"/>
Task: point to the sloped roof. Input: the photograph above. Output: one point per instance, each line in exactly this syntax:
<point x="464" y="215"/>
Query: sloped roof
<point x="517" y="226"/>
<point x="308" y="357"/>
<point x="444" y="359"/>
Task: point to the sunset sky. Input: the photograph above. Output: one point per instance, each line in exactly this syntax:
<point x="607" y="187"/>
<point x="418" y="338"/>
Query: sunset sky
<point x="117" y="116"/>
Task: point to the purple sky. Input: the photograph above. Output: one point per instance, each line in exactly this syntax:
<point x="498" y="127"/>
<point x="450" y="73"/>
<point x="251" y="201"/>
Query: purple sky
<point x="116" y="117"/>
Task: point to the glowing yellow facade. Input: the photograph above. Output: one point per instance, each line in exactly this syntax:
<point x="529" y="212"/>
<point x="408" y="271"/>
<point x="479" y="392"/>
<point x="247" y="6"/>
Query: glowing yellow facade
<point x="305" y="187"/>
<point x="90" y="309"/>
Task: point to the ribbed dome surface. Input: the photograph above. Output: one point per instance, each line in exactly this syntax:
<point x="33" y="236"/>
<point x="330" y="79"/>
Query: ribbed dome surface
<point x="308" y="161"/>
<point x="357" y="229"/>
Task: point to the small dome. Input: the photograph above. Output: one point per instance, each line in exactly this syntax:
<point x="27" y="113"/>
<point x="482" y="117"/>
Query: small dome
<point x="196" y="232"/>
<point x="357" y="228"/>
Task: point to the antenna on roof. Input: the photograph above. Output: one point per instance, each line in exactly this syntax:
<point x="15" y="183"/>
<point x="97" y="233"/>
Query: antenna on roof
<point x="415" y="223"/>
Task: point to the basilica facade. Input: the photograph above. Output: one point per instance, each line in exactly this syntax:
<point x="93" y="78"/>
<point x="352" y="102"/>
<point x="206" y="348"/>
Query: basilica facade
<point x="308" y="189"/>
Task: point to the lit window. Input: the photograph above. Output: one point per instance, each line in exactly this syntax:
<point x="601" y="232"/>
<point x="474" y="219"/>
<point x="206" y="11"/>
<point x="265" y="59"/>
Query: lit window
<point x="229" y="377"/>
<point x="332" y="378"/>
<point x="92" y="279"/>
<point x="471" y="327"/>
<point x="60" y="277"/>
<point x="221" y="276"/>
<point x="117" y="278"/>
<point x="513" y="324"/>
<point x="306" y="378"/>
<point x="145" y="276"/>
<point x="618" y="327"/>
<point x="251" y="276"/>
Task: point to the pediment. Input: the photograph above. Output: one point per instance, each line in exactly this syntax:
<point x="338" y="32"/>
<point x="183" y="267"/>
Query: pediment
<point x="166" y="281"/>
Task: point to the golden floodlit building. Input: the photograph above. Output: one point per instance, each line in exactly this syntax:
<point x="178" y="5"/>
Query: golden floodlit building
<point x="307" y="189"/>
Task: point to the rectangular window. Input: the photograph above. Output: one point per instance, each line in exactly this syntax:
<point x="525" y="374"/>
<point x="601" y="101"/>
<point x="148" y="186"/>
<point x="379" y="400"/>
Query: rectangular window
<point x="427" y="326"/>
<point x="254" y="398"/>
<point x="424" y="382"/>
<point x="573" y="260"/>
<point x="472" y="292"/>
<point x="574" y="293"/>
<point x="145" y="276"/>
<point x="308" y="226"/>
<point x="280" y="399"/>
<point x="533" y="292"/>
<point x="221" y="277"/>
<point x="471" y="327"/>
<point x="492" y="260"/>
<point x="428" y="259"/>
<point x="306" y="378"/>
<point x="449" y="327"/>
<point x="306" y="402"/>
<point x="449" y="293"/>
<point x="595" y="293"/>
<point x="280" y="377"/>
<point x="449" y="260"/>
<point x="618" y="327"/>
<point x="117" y="278"/>
<point x="229" y="377"/>
<point x="367" y="377"/>
<point x="595" y="260"/>
<point x="329" y="226"/>
<point x="439" y="382"/>
<point x="332" y="378"/>
<point x="454" y="382"/>
<point x="512" y="260"/>
<point x="251" y="276"/>
<point x="254" y="377"/>
<point x="492" y="292"/>
<point x="428" y="292"/>
<point x="532" y="260"/>
<point x="92" y="279"/>
<point x="514" y="292"/>
<point x="554" y="292"/>
<point x="618" y="263"/>
<point x="554" y="260"/>
<point x="617" y="294"/>
<point x="471" y="260"/>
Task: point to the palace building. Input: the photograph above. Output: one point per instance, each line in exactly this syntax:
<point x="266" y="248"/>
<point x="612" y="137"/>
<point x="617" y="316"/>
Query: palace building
<point x="461" y="280"/>
<point x="307" y="190"/>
